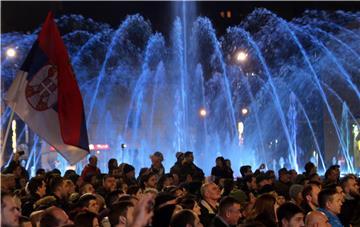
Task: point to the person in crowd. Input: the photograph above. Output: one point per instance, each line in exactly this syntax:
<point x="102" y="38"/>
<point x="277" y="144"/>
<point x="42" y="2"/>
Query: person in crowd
<point x="185" y="218"/>
<point x="211" y="195"/>
<point x="332" y="175"/>
<point x="86" y="219"/>
<point x="220" y="170"/>
<point x="108" y="185"/>
<point x="310" y="197"/>
<point x="10" y="212"/>
<point x="54" y="217"/>
<point x="330" y="203"/>
<point x="177" y="165"/>
<point x="190" y="203"/>
<point x="290" y="215"/>
<point x="91" y="168"/>
<point x="250" y="184"/>
<point x="165" y="181"/>
<point x="149" y="181"/>
<point x="350" y="210"/>
<point x="310" y="169"/>
<point x="316" y="219"/>
<point x="88" y="202"/>
<point x="58" y="190"/>
<point x="295" y="194"/>
<point x="162" y="215"/>
<point x="282" y="186"/>
<point x="87" y="188"/>
<point x="264" y="210"/>
<point x="112" y="165"/>
<point x="121" y="214"/>
<point x="228" y="214"/>
<point x="156" y="164"/>
<point x="37" y="190"/>
<point x="129" y="175"/>
<point x="189" y="171"/>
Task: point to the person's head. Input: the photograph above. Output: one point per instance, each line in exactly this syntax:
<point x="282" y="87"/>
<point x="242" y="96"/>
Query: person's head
<point x="290" y="215"/>
<point x="88" y="202"/>
<point x="295" y="193"/>
<point x="229" y="210"/>
<point x="150" y="180"/>
<point x="331" y="174"/>
<point x="350" y="186"/>
<point x="162" y="216"/>
<point x="10" y="210"/>
<point x="37" y="186"/>
<point x="121" y="213"/>
<point x="128" y="171"/>
<point x="220" y="161"/>
<point x="109" y="183"/>
<point x="40" y="172"/>
<point x="135" y="190"/>
<point x="57" y="187"/>
<point x="316" y="219"/>
<point x="54" y="217"/>
<point x="310" y="168"/>
<point x="185" y="218"/>
<point x="157" y="157"/>
<point x="330" y="200"/>
<point x="69" y="187"/>
<point x="210" y="191"/>
<point x="112" y="164"/>
<point x="245" y="170"/>
<point x="93" y="161"/>
<point x="284" y="175"/>
<point x="87" y="188"/>
<point x="250" y="182"/>
<point x="265" y="204"/>
<point x="191" y="204"/>
<point x="310" y="194"/>
<point x="189" y="157"/>
<point x="165" y="181"/>
<point x="86" y="219"/>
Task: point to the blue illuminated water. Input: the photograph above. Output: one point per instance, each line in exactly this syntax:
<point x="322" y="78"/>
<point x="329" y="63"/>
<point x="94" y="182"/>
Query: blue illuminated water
<point x="146" y="89"/>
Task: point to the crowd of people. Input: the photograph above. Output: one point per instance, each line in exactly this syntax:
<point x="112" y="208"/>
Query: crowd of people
<point x="182" y="197"/>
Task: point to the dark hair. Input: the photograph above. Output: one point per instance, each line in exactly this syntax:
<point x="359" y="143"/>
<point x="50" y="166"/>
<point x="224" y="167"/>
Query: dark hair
<point x="146" y="177"/>
<point x="133" y="189"/>
<point x="48" y="219"/>
<point x="325" y="196"/>
<point x="40" y="171"/>
<point x="188" y="153"/>
<point x="265" y="204"/>
<point x="35" y="183"/>
<point x="113" y="197"/>
<point x="287" y="211"/>
<point x="84" y="200"/>
<point x="118" y="209"/>
<point x="226" y="203"/>
<point x="308" y="167"/>
<point x="188" y="202"/>
<point x="161" y="181"/>
<point x="54" y="183"/>
<point x="183" y="218"/>
<point x="56" y="171"/>
<point x="85" y="219"/>
<point x="162" y="216"/>
<point x="244" y="169"/>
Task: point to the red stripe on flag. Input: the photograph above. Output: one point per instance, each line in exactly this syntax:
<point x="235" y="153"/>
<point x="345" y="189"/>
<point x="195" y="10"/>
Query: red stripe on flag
<point x="70" y="103"/>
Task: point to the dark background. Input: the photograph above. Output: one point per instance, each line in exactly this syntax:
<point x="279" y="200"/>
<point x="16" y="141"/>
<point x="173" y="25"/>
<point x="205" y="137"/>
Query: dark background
<point x="26" y="16"/>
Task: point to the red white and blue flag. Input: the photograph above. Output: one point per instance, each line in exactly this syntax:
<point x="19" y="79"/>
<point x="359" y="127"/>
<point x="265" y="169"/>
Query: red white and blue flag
<point x="45" y="95"/>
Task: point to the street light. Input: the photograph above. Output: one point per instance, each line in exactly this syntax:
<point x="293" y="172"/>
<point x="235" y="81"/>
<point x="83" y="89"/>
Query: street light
<point x="244" y="111"/>
<point x="241" y="56"/>
<point x="10" y="52"/>
<point x="202" y="112"/>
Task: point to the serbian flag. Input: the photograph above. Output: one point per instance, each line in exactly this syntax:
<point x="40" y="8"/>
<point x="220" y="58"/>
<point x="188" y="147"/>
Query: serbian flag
<point x="45" y="95"/>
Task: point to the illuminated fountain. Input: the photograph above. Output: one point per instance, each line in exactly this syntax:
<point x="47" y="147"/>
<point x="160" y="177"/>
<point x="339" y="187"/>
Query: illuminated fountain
<point x="261" y="93"/>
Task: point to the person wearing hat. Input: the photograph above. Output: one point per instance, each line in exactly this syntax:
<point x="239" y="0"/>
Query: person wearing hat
<point x="156" y="164"/>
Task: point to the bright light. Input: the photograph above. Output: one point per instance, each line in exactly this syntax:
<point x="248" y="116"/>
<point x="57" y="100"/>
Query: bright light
<point x="13" y="127"/>
<point x="203" y="113"/>
<point x="244" y="111"/>
<point x="11" y="52"/>
<point x="241" y="132"/>
<point x="241" y="56"/>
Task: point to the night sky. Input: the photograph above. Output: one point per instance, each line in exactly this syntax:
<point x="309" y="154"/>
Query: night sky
<point x="26" y="16"/>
